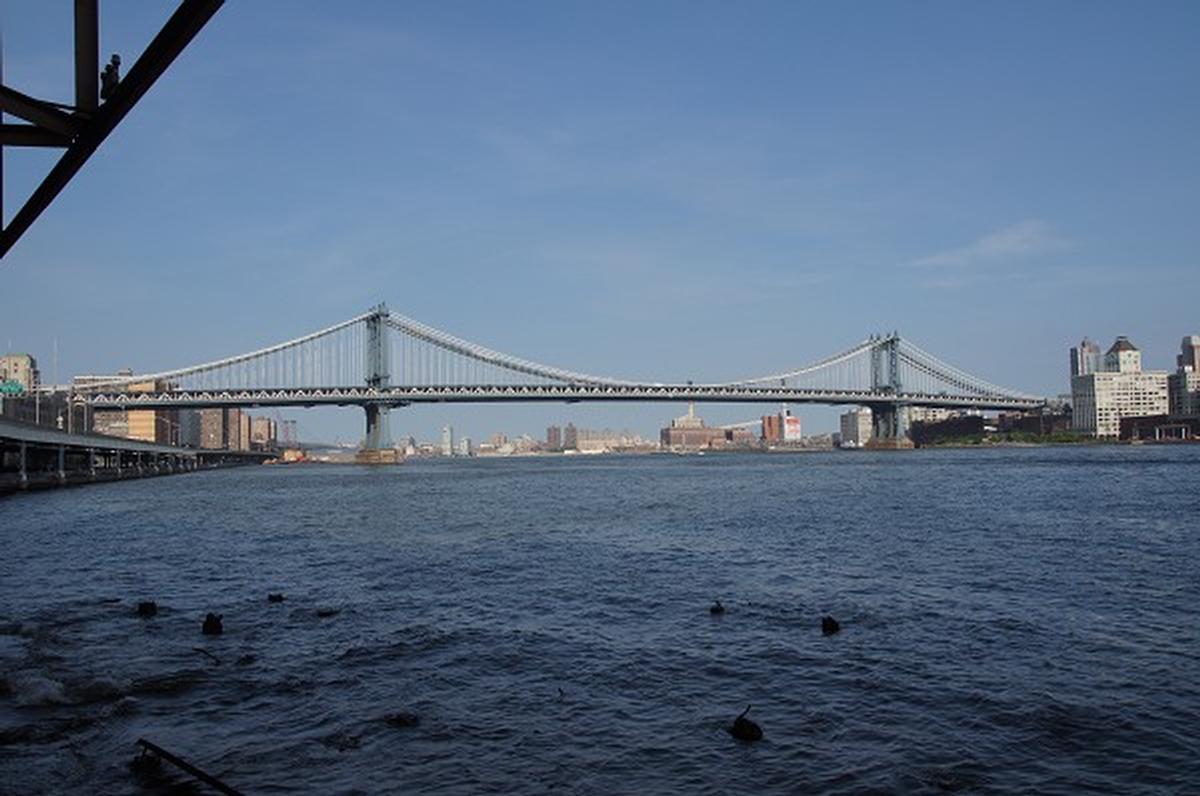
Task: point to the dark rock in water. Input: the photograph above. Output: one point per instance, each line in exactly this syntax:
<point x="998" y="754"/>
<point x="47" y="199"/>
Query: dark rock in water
<point x="402" y="719"/>
<point x="274" y="598"/>
<point x="716" y="609"/>
<point x="342" y="741"/>
<point x="829" y="625"/>
<point x="212" y="625"/>
<point x="147" y="608"/>
<point x="325" y="613"/>
<point x="145" y="765"/>
<point x="744" y="729"/>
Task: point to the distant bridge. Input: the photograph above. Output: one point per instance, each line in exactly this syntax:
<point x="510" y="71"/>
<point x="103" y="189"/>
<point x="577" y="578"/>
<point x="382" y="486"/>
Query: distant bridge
<point x="380" y="360"/>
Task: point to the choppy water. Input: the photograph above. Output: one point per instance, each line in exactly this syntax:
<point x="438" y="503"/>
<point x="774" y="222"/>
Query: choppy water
<point x="1013" y="621"/>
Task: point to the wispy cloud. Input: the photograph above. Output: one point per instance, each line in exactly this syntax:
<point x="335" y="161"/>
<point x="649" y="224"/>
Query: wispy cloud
<point x="1015" y="242"/>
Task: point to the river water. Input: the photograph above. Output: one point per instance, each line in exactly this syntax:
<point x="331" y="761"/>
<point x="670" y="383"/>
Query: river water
<point x="1018" y="620"/>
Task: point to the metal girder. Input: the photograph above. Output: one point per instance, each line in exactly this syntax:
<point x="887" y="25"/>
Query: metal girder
<point x="31" y="135"/>
<point x="89" y="133"/>
<point x="87" y="55"/>
<point x="43" y="114"/>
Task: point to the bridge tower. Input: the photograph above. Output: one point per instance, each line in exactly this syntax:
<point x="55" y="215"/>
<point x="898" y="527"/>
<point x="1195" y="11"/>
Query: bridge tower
<point x="888" y="420"/>
<point x="376" y="369"/>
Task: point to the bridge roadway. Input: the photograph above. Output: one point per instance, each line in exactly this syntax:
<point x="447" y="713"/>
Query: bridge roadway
<point x="403" y="396"/>
<point x="35" y="457"/>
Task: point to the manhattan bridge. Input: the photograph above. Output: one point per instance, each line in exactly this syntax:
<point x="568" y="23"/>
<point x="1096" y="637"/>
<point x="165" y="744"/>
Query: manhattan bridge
<point x="381" y="360"/>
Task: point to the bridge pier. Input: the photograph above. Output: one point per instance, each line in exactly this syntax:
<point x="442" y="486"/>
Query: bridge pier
<point x="23" y="465"/>
<point x="889" y="427"/>
<point x="378" y="434"/>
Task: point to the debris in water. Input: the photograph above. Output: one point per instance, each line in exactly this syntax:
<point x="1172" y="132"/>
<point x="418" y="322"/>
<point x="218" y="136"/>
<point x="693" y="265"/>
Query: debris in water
<point x="402" y="719"/>
<point x="246" y="660"/>
<point x="716" y="609"/>
<point x="141" y="764"/>
<point x="342" y="741"/>
<point x="145" y="764"/>
<point x="147" y="608"/>
<point x="829" y="625"/>
<point x="212" y="625"/>
<point x="325" y="613"/>
<point x="208" y="654"/>
<point x="274" y="597"/>
<point x="744" y="729"/>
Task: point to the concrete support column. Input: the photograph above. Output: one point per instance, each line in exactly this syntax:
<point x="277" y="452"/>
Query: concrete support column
<point x="378" y="435"/>
<point x="91" y="462"/>
<point x="62" y="464"/>
<point x="883" y="421"/>
<point x="23" y="477"/>
<point x="889" y="426"/>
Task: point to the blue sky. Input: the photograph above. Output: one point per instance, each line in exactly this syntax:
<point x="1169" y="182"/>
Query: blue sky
<point x="648" y="190"/>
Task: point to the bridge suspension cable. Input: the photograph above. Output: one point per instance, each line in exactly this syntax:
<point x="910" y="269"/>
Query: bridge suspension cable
<point x="486" y="356"/>
<point x="260" y="357"/>
<point x="382" y="351"/>
<point x="940" y="370"/>
<point x="821" y="365"/>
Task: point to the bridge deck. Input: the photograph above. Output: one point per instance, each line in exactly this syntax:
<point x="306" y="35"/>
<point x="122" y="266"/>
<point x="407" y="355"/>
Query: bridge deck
<point x="40" y="435"/>
<point x="401" y="396"/>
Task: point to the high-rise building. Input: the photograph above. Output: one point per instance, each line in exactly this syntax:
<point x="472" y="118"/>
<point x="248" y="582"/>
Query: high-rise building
<point x="856" y="428"/>
<point x="447" y="441"/>
<point x="783" y="427"/>
<point x="212" y="428"/>
<point x="189" y="428"/>
<point x="1086" y="359"/>
<point x="570" y="438"/>
<point x="262" y="433"/>
<point x="1123" y="357"/>
<point x="152" y="425"/>
<point x="791" y="428"/>
<point x="1184" y="383"/>
<point x="464" y="446"/>
<point x="772" y="428"/>
<point x="554" y="438"/>
<point x="233" y="429"/>
<point x="20" y="368"/>
<point x="1189" y="356"/>
<point x="1122" y="389"/>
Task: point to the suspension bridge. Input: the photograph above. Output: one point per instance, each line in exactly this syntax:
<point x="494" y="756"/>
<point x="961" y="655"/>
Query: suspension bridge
<point x="381" y="360"/>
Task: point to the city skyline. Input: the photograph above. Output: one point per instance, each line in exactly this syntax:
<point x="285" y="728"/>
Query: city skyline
<point x="549" y="180"/>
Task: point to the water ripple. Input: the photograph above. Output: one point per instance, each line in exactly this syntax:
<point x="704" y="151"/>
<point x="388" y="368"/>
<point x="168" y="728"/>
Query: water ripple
<point x="1009" y="625"/>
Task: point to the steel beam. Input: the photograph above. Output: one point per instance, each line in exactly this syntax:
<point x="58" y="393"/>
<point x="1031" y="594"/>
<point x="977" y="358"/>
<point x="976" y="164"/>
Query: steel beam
<point x="43" y="114"/>
<point x="180" y="29"/>
<point x="87" y="56"/>
<point x="32" y="135"/>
